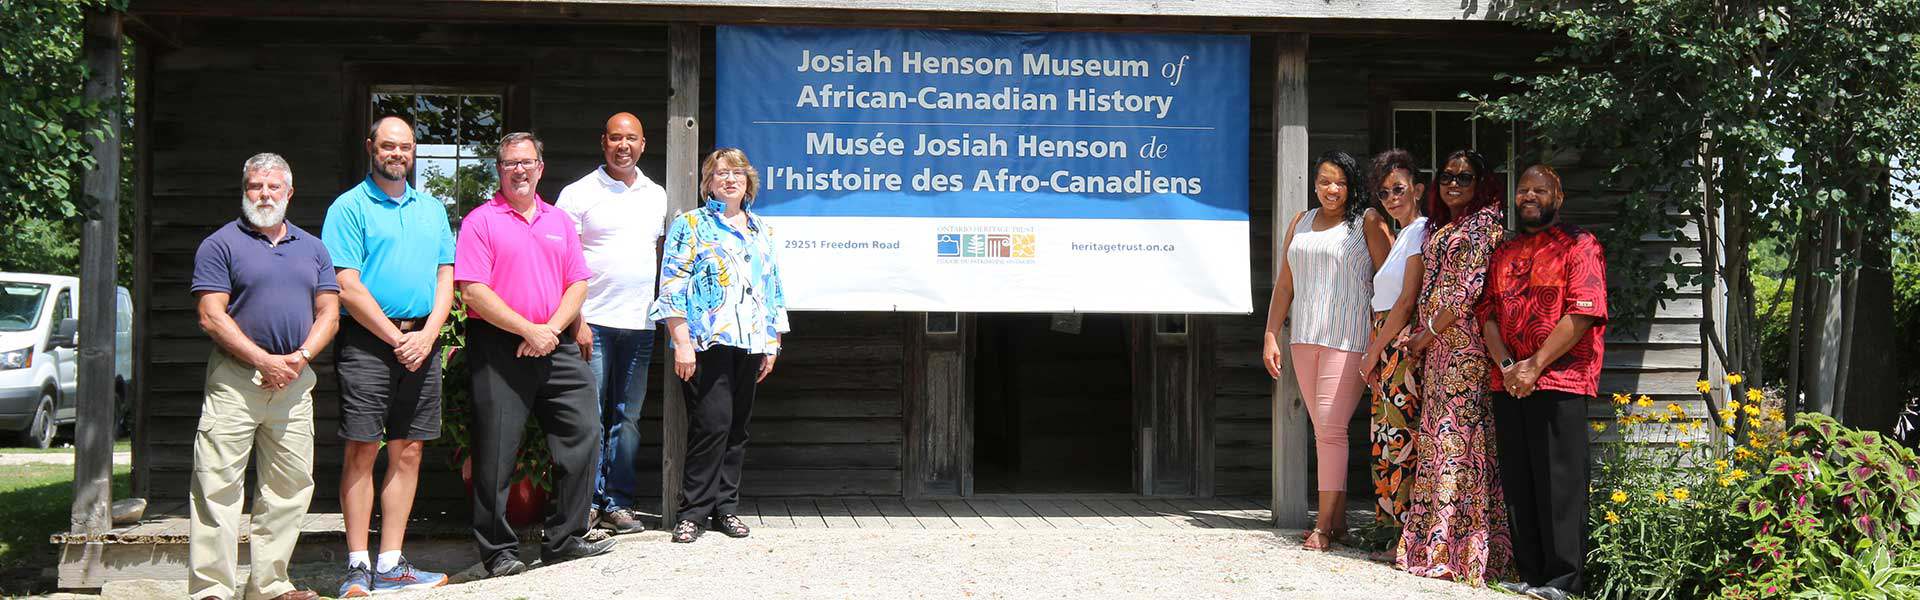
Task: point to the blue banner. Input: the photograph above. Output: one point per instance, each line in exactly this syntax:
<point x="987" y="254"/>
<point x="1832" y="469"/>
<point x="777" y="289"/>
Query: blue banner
<point x="946" y="124"/>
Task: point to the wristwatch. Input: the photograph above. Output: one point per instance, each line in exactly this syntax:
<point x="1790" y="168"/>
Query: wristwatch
<point x="1506" y="363"/>
<point x="305" y="355"/>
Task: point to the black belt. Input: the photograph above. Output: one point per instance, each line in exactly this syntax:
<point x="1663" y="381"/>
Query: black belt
<point x="408" y="325"/>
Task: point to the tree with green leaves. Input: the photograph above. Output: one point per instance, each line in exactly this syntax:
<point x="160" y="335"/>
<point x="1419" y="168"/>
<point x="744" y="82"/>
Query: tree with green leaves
<point x="1747" y="120"/>
<point x="44" y="120"/>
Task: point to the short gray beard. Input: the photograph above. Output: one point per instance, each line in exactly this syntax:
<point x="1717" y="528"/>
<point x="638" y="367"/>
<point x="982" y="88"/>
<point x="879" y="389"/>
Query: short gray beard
<point x="262" y="219"/>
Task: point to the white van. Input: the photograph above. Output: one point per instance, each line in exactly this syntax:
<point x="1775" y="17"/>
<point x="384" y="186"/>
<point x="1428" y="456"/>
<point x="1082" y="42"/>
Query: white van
<point x="39" y="354"/>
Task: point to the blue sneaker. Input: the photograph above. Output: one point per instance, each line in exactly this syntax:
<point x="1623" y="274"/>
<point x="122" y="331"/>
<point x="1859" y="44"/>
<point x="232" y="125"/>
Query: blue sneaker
<point x="405" y="577"/>
<point x="359" y="583"/>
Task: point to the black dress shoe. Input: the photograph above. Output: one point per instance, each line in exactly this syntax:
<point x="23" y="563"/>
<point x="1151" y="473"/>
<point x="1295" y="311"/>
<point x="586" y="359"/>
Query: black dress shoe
<point x="731" y="525"/>
<point x="686" y="531"/>
<point x="507" y="566"/>
<point x="1517" y="588"/>
<point x="575" y="548"/>
<point x="1547" y="592"/>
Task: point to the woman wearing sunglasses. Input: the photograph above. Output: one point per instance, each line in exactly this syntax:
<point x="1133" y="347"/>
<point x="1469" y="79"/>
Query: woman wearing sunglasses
<point x="1456" y="521"/>
<point x="1325" y="285"/>
<point x="1386" y="367"/>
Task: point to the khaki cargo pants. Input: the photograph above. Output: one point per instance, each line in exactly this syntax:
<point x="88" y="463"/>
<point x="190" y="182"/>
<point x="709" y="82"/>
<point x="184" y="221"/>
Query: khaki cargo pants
<point x="276" y="428"/>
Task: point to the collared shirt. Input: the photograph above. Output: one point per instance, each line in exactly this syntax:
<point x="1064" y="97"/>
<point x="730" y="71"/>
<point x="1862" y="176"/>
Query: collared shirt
<point x="396" y="245"/>
<point x="723" y="281"/>
<point x="1536" y="279"/>
<point x="271" y="285"/>
<point x="529" y="264"/>
<point x="618" y="226"/>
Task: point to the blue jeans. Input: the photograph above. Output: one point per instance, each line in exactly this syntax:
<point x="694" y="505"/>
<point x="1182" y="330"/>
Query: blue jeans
<point x="620" y="358"/>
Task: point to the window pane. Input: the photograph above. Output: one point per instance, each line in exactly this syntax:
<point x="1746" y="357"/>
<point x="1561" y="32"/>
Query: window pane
<point x="1413" y="132"/>
<point x="480" y="125"/>
<point x="1491" y="140"/>
<point x="1453" y="130"/>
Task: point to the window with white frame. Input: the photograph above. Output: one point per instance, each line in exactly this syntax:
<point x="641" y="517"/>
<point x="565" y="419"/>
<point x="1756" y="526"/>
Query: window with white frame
<point x="455" y="130"/>
<point x="1432" y="130"/>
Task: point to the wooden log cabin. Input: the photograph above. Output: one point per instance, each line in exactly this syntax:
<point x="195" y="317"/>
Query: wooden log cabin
<point x="910" y="405"/>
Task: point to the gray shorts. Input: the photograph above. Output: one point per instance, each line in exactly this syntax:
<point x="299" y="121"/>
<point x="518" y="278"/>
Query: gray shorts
<point x="379" y="398"/>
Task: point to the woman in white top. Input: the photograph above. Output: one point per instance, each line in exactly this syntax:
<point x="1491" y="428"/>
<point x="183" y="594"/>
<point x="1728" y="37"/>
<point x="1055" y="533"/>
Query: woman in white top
<point x="1386" y="368"/>
<point x="1326" y="286"/>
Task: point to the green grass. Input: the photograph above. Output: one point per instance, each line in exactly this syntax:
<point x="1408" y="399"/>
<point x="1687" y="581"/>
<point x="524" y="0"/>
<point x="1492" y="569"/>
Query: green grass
<point x="119" y="446"/>
<point x="36" y="501"/>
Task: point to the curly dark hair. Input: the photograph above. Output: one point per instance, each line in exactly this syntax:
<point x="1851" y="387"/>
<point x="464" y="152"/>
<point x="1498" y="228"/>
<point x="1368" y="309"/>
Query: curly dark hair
<point x="1385" y="163"/>
<point x="1359" y="198"/>
<point x="1486" y="190"/>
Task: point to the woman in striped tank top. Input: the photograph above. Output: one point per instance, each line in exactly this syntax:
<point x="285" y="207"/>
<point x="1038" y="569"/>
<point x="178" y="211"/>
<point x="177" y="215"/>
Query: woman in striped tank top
<point x="1326" y="286"/>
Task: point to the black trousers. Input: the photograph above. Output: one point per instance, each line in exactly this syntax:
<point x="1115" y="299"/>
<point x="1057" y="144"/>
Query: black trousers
<point x="558" y="390"/>
<point x="719" y="403"/>
<point x="1544" y="469"/>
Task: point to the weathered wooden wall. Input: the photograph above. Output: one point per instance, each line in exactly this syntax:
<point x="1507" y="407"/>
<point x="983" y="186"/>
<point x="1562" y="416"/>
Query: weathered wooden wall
<point x="222" y="90"/>
<point x="1350" y="80"/>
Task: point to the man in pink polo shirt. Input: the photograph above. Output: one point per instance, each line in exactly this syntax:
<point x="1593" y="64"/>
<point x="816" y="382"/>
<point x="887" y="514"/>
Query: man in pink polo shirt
<point x="523" y="277"/>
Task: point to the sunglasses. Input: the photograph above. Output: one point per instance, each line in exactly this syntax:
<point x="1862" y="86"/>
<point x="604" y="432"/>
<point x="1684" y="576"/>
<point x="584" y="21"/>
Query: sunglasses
<point x="1462" y="179"/>
<point x="1393" y="191"/>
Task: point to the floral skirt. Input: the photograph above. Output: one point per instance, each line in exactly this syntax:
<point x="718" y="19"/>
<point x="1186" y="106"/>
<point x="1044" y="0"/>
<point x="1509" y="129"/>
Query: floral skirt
<point x="1395" y="417"/>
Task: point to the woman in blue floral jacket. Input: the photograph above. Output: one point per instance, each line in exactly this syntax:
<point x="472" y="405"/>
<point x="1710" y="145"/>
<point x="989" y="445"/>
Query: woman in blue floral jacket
<point x="721" y="300"/>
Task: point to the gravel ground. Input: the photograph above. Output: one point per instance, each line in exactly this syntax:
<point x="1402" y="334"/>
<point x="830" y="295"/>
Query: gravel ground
<point x="821" y="563"/>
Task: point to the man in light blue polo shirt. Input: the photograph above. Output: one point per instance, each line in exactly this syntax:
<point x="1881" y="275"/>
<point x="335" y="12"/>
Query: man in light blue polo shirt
<point x="393" y="252"/>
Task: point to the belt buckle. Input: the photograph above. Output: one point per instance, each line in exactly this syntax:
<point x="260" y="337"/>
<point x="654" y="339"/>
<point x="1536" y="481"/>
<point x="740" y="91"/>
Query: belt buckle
<point x="406" y="325"/>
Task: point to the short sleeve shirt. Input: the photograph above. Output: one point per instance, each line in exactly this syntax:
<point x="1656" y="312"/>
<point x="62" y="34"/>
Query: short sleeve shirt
<point x="1534" y="281"/>
<point x="529" y="264"/>
<point x="619" y="226"/>
<point x="397" y="245"/>
<point x="271" y="286"/>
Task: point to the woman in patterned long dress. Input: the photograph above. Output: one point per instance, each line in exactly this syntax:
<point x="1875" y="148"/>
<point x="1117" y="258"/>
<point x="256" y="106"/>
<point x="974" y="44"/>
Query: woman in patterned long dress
<point x="1388" y="370"/>
<point x="1456" y="522"/>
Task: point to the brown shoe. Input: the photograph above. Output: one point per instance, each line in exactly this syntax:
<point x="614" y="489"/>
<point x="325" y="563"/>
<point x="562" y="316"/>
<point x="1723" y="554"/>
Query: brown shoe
<point x="621" y="521"/>
<point x="298" y="595"/>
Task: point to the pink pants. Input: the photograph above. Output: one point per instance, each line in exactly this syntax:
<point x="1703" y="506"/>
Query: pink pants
<point x="1331" y="387"/>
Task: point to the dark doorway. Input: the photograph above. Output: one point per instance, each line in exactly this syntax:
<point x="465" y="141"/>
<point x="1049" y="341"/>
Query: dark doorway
<point x="1053" y="404"/>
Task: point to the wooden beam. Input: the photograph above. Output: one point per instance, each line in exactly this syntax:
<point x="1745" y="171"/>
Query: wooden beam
<point x="1330" y="21"/>
<point x="99" y="249"/>
<point x="142" y="474"/>
<point x="683" y="191"/>
<point x="1292" y="434"/>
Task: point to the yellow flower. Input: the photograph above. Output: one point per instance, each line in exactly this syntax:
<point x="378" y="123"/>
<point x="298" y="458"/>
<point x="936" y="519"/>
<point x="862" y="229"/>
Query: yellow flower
<point x="1741" y="453"/>
<point x="1755" y="395"/>
<point x="1751" y="410"/>
<point x="1703" y="385"/>
<point x="1720" y="464"/>
<point x="1757" y="442"/>
<point x="1776" y="415"/>
<point x="1618" y="497"/>
<point x="1622" y="399"/>
<point x="1676" y="409"/>
<point x="1612" y="518"/>
<point x="1733" y="404"/>
<point x="1662" y="417"/>
<point x="1683" y="444"/>
<point x="1733" y="379"/>
<point x="1681" y="494"/>
<point x="1599" y="427"/>
<point x="1645" y="402"/>
<point x="1659" y="496"/>
<point x="1724" y="482"/>
<point x="1726" y="415"/>
<point x="1737" y="474"/>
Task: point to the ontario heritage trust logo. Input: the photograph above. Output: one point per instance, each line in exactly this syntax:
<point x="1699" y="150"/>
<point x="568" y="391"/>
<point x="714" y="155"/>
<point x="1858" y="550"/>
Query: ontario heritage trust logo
<point x="990" y="244"/>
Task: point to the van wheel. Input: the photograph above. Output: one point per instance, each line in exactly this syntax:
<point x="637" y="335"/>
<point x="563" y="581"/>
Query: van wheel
<point x="39" y="433"/>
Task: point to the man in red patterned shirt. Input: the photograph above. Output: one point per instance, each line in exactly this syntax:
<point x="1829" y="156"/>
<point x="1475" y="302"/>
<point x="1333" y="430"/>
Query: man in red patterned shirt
<point x="1544" y="315"/>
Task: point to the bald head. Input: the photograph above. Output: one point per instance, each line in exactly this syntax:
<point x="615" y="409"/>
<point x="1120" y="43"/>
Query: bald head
<point x="390" y="148"/>
<point x="622" y="144"/>
<point x="1537" y="198"/>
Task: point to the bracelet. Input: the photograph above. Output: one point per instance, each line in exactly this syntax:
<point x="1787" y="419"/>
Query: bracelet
<point x="1430" y="329"/>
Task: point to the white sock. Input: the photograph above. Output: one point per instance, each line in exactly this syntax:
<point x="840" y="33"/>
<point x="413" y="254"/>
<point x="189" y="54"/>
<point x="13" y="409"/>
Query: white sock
<point x="358" y="559"/>
<point x="388" y="560"/>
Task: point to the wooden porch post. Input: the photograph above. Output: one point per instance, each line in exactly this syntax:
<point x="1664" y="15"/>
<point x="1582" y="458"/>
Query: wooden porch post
<point x="683" y="183"/>
<point x="1292" y="436"/>
<point x="99" y="249"/>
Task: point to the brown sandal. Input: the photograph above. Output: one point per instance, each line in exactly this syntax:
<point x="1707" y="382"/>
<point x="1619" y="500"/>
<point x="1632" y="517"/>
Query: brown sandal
<point x="1325" y="540"/>
<point x="686" y="531"/>
<point x="731" y="525"/>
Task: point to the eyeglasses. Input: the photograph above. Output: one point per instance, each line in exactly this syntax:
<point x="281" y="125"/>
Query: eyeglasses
<point x="1462" y="179"/>
<point x="730" y="174"/>
<point x="518" y="165"/>
<point x="1393" y="191"/>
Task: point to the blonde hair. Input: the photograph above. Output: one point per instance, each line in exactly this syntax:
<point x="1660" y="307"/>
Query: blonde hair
<point x="739" y="159"/>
